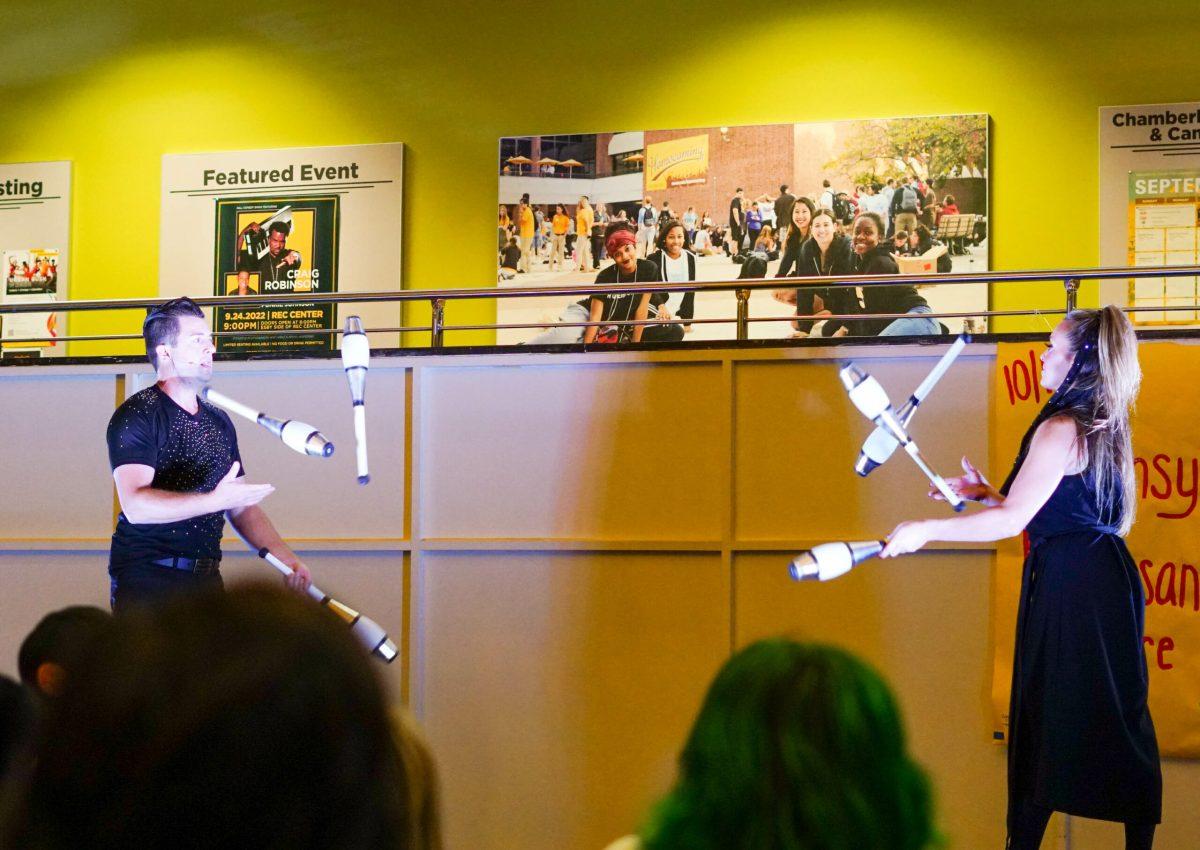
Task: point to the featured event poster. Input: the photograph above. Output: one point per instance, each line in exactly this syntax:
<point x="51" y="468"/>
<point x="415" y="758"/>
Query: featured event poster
<point x="693" y="175"/>
<point x="285" y="223"/>
<point x="276" y="246"/>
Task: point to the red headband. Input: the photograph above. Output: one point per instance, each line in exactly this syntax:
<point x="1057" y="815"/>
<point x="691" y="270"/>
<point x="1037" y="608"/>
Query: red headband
<point x="619" y="239"/>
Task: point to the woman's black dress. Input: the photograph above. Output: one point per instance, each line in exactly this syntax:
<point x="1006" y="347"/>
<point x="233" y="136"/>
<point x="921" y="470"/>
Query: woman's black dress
<point x="1081" y="739"/>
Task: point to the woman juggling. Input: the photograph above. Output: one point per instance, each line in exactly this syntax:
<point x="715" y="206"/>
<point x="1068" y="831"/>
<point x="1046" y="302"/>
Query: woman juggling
<point x="1081" y="740"/>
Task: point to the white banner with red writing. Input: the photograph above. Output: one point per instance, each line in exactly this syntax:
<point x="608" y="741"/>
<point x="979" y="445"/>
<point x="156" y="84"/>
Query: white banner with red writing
<point x="1164" y="541"/>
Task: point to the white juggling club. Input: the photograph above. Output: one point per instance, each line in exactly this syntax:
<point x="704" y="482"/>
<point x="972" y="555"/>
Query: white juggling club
<point x="372" y="635"/>
<point x="356" y="359"/>
<point x="871" y="400"/>
<point x="830" y="560"/>
<point x="880" y="445"/>
<point x="296" y="435"/>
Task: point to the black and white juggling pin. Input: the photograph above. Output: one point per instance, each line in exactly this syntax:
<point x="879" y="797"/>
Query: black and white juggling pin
<point x="356" y="359"/>
<point x="297" y="436"/>
<point x="830" y="560"/>
<point x="370" y="633"/>
<point x="880" y="445"/>
<point x="872" y="401"/>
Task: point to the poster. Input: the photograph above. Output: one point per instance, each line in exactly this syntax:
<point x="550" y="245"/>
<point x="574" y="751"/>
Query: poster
<point x="1164" y="542"/>
<point x="1139" y="147"/>
<point x="30" y="276"/>
<point x="276" y="246"/>
<point x="289" y="222"/>
<point x="677" y="162"/>
<point x="1163" y="221"/>
<point x="34" y="240"/>
<point x="693" y="175"/>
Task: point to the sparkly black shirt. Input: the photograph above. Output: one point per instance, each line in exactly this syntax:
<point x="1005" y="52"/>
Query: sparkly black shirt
<point x="189" y="454"/>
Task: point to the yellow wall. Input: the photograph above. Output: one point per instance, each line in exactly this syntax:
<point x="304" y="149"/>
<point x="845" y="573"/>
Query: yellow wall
<point x="113" y="87"/>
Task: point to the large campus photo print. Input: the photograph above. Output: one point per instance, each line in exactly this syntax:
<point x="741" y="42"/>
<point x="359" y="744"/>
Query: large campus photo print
<point x="837" y="199"/>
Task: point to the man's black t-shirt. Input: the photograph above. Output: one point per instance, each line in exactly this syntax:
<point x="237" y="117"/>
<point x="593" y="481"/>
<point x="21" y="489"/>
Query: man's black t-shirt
<point x="736" y="218"/>
<point x="189" y="454"/>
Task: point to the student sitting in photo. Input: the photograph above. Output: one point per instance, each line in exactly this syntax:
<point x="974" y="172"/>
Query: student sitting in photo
<point x="676" y="264"/>
<point x="872" y="258"/>
<point x="620" y="241"/>
<point x="510" y="260"/>
<point x="827" y="253"/>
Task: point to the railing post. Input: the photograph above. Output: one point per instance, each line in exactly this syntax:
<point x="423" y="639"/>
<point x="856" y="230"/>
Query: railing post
<point x="1072" y="287"/>
<point x="743" y="314"/>
<point x="438" y="321"/>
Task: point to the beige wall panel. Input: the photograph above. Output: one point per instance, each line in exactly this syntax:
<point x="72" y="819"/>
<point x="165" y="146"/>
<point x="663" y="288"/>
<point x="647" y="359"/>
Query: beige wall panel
<point x="32" y="584"/>
<point x="606" y="451"/>
<point x="54" y="475"/>
<point x="798" y="436"/>
<point x="559" y="687"/>
<point x="320" y="497"/>
<point x="370" y="582"/>
<point x="923" y="622"/>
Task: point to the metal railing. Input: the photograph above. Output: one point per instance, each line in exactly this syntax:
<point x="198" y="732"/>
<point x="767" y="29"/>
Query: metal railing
<point x="438" y="300"/>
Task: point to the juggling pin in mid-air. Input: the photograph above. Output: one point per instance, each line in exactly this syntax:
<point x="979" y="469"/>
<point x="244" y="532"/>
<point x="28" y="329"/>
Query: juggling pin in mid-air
<point x="297" y="436"/>
<point x="880" y="445"/>
<point x="370" y="633"/>
<point x="872" y="401"/>
<point x="356" y="359"/>
<point x="830" y="560"/>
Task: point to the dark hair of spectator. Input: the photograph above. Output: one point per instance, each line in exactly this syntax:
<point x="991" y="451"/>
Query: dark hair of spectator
<point x="796" y="745"/>
<point x="242" y="719"/>
<point x="162" y="324"/>
<point x="60" y="638"/>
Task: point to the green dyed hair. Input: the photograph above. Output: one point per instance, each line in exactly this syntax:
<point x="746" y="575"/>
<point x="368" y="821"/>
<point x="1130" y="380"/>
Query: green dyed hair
<point x="797" y="747"/>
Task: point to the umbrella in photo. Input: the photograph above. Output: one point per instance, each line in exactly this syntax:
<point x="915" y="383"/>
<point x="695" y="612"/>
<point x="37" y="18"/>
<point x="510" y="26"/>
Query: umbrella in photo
<point x="546" y="165"/>
<point x="635" y="157"/>
<point x="571" y="165"/>
<point x="518" y="161"/>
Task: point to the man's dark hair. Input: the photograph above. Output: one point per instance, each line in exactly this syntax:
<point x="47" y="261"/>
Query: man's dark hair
<point x="783" y="188"/>
<point x="162" y="324"/>
<point x="279" y="227"/>
<point x="250" y="718"/>
<point x="825" y="183"/>
<point x="59" y="638"/>
<point x="738" y="189"/>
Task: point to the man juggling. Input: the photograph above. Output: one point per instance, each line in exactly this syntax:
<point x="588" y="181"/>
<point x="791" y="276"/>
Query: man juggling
<point x="178" y="473"/>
